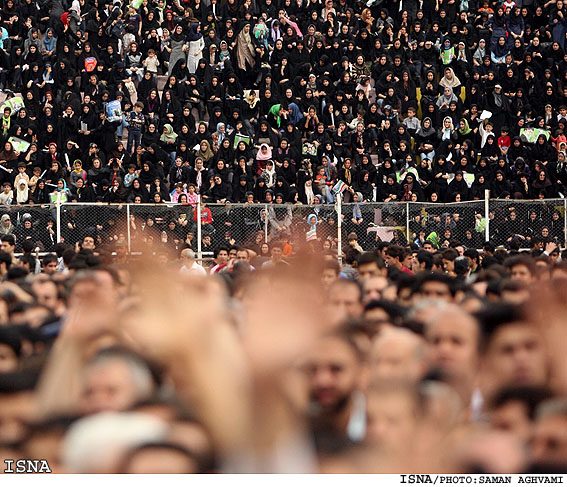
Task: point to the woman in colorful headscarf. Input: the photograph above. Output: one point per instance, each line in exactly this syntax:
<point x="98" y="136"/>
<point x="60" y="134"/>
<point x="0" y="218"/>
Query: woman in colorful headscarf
<point x="447" y="52"/>
<point x="312" y="222"/>
<point x="261" y="32"/>
<point x="262" y="157"/>
<point x="464" y="131"/>
<point x="49" y="44"/>
<point x="168" y="139"/>
<point x="168" y="136"/>
<point x="61" y="192"/>
<point x="205" y="152"/>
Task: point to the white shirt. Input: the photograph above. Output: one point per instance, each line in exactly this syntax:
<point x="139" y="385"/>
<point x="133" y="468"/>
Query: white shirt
<point x="196" y="269"/>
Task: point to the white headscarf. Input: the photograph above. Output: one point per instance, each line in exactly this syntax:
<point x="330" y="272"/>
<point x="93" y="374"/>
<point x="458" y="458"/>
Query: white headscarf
<point x="310" y="196"/>
<point x="22" y="194"/>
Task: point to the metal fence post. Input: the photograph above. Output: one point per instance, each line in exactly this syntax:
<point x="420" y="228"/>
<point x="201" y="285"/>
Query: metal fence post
<point x="486" y="215"/>
<point x="199" y="229"/>
<point x="266" y="224"/>
<point x="565" y="220"/>
<point x="408" y="222"/>
<point x="128" y="227"/>
<point x="58" y="216"/>
<point x="340" y="228"/>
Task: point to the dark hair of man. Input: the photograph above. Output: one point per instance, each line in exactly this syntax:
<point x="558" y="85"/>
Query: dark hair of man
<point x="381" y="245"/>
<point x="48" y="259"/>
<point x="218" y="250"/>
<point x="472" y="254"/>
<point x="500" y="255"/>
<point x="423" y="256"/>
<point x="511" y="285"/>
<point x="332" y="264"/>
<point x="16" y="272"/>
<point x="68" y="255"/>
<point x="60" y="248"/>
<point x="351" y="256"/>
<point x="27" y="246"/>
<point x="5" y="257"/>
<point x="11" y="336"/>
<point x="28" y="259"/>
<point x="394" y="310"/>
<point x="78" y="263"/>
<point x="10" y="239"/>
<point x="514" y="244"/>
<point x="405" y="281"/>
<point x="489" y="247"/>
<point x="426" y="277"/>
<point x="438" y="259"/>
<point x="489" y="261"/>
<point x="495" y="316"/>
<point x="371" y="257"/>
<point x="450" y="254"/>
<point x="396" y="251"/>
<point x="20" y="381"/>
<point x="520" y="260"/>
<point x="531" y="397"/>
<point x="277" y="245"/>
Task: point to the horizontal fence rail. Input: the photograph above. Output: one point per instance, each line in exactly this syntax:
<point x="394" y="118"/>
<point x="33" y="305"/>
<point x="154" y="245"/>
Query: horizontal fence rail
<point x="325" y="227"/>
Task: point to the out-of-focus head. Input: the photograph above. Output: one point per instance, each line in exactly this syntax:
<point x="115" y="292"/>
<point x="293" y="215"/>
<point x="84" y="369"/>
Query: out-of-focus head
<point x="453" y="339"/>
<point x="114" y="380"/>
<point x="334" y="373"/>
<point x="397" y="354"/>
<point x="95" y="444"/>
<point x="549" y="443"/>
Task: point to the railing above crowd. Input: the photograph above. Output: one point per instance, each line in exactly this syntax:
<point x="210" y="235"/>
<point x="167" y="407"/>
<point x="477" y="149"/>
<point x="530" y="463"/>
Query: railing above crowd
<point x="327" y="228"/>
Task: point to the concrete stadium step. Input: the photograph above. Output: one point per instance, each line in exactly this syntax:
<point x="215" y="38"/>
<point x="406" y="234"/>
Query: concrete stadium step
<point x="161" y="82"/>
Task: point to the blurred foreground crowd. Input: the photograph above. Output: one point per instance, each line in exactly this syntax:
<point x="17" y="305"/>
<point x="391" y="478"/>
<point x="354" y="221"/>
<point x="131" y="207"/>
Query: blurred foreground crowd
<point x="394" y="361"/>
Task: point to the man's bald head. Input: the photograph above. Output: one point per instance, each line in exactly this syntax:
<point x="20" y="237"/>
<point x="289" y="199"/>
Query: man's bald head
<point x="453" y="336"/>
<point x="398" y="354"/>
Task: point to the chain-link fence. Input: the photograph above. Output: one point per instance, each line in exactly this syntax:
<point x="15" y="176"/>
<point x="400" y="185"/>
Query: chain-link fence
<point x="444" y="224"/>
<point x="375" y="222"/>
<point x="517" y="223"/>
<point x="35" y="222"/>
<point x="523" y="222"/>
<point x="253" y="224"/>
<point x="107" y="224"/>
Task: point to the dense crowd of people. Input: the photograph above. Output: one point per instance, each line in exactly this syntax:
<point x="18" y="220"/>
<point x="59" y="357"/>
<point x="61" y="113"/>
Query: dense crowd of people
<point x="433" y="350"/>
<point x="293" y="104"/>
<point x="436" y="100"/>
<point x="408" y="361"/>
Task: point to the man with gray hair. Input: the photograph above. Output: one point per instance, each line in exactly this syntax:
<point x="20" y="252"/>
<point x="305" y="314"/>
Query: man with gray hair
<point x="398" y="354"/>
<point x="190" y="265"/>
<point x="453" y="338"/>
<point x="114" y="380"/>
